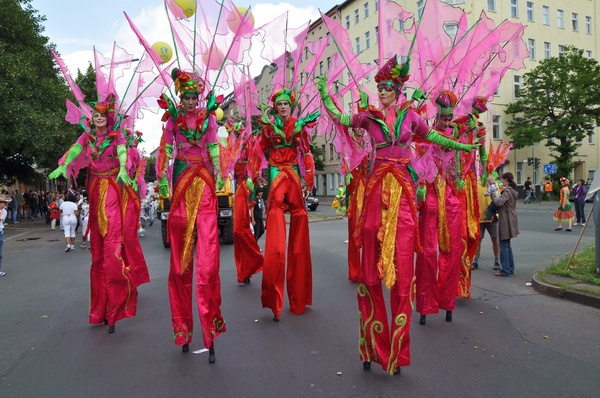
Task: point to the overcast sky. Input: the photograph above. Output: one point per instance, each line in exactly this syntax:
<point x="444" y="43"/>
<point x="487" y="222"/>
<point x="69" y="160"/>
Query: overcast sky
<point x="76" y="26"/>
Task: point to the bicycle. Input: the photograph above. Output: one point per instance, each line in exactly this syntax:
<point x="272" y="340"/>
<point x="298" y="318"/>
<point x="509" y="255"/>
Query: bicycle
<point x="535" y="197"/>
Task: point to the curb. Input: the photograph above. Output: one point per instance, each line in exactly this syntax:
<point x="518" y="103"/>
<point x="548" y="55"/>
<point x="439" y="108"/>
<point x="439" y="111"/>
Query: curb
<point x="576" y="296"/>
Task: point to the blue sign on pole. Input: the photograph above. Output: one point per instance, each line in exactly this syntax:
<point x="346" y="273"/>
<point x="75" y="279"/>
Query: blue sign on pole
<point x="550" y="168"/>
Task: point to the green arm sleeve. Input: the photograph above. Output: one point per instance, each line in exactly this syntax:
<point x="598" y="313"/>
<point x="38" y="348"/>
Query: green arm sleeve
<point x="439" y="139"/>
<point x="62" y="169"/>
<point x="328" y="102"/>
<point x="122" y="155"/>
<point x="213" y="149"/>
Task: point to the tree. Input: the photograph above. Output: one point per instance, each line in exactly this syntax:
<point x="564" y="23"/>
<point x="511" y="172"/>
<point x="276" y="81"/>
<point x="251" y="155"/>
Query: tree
<point x="33" y="132"/>
<point x="560" y="103"/>
<point x="318" y="155"/>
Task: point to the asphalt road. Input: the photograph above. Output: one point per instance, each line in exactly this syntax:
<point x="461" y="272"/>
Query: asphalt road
<point x="506" y="341"/>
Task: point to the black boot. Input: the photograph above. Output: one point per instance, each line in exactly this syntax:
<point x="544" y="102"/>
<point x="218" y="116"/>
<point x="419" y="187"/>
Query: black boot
<point x="111" y="329"/>
<point x="448" y="316"/>
<point x="185" y="348"/>
<point x="397" y="372"/>
<point x="211" y="354"/>
<point x="246" y="281"/>
<point x="367" y="366"/>
<point x="423" y="320"/>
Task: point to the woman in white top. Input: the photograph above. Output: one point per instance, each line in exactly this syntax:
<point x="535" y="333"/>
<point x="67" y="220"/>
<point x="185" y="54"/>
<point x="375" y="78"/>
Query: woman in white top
<point x="69" y="211"/>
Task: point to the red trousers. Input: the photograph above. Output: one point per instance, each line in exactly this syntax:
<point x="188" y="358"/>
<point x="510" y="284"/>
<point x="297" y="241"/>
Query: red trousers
<point x="426" y="265"/>
<point x="286" y="194"/>
<point x="247" y="255"/>
<point x="450" y="262"/>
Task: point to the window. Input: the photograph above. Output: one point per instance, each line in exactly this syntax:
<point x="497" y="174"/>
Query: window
<point x="530" y="11"/>
<point x="376" y="5"/>
<point x="451" y="30"/>
<point x="547" y="50"/>
<point x="376" y="34"/>
<point x="560" y="19"/>
<point x="520" y="167"/>
<point x="306" y="54"/>
<point x="588" y="25"/>
<point x="302" y="79"/>
<point x="496" y="128"/>
<point x="514" y="8"/>
<point x="588" y="54"/>
<point x="517" y="86"/>
<point x="366" y="10"/>
<point x="356" y="16"/>
<point x="561" y="50"/>
<point x="531" y="48"/>
<point x="546" y="15"/>
<point x="357" y="40"/>
<point x="331" y="152"/>
<point x="347" y="21"/>
<point x="491" y="5"/>
<point x="321" y="70"/>
<point x="575" y="21"/>
<point x="592" y="138"/>
<point x="328" y="62"/>
<point x="420" y="7"/>
<point x="367" y="40"/>
<point x="454" y="1"/>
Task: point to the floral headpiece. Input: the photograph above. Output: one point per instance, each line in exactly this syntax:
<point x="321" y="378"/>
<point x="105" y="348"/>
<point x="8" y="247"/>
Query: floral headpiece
<point x="446" y="102"/>
<point x="284" y="94"/>
<point x="105" y="107"/>
<point x="393" y="74"/>
<point x="479" y="104"/>
<point x="233" y="127"/>
<point x="187" y="83"/>
<point x="565" y="180"/>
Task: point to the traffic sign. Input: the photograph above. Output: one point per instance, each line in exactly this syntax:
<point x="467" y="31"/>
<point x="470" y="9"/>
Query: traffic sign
<point x="550" y="168"/>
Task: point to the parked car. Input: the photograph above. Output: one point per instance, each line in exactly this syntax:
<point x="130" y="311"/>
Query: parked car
<point x="313" y="202"/>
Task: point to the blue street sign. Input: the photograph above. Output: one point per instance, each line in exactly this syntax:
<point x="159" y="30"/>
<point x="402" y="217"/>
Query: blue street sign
<point x="550" y="168"/>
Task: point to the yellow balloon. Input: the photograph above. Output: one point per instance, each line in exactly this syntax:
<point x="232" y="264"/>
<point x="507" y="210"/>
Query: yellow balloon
<point x="241" y="21"/>
<point x="188" y="6"/>
<point x="164" y="50"/>
<point x="219" y="113"/>
<point x="213" y="59"/>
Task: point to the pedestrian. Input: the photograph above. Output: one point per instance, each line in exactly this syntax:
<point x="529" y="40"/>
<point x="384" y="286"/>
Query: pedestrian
<point x="492" y="188"/>
<point x="4" y="201"/>
<point x="528" y="190"/>
<point x="565" y="212"/>
<point x="195" y="177"/>
<point x="59" y="202"/>
<point x="580" y="192"/>
<point x="84" y="215"/>
<point x="387" y="228"/>
<point x="69" y="212"/>
<point x="508" y="222"/>
<point x="18" y="205"/>
<point x="54" y="213"/>
<point x="290" y="160"/>
<point x="489" y="225"/>
<point x="257" y="215"/>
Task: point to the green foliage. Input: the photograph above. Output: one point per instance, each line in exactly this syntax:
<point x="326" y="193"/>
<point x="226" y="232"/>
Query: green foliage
<point x="34" y="133"/>
<point x="560" y="103"/>
<point x="87" y="83"/>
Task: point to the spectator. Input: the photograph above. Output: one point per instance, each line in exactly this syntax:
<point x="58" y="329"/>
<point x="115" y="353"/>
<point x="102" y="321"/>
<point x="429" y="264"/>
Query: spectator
<point x="18" y="205"/>
<point x="4" y="200"/>
<point x="491" y="226"/>
<point x="528" y="190"/>
<point x="548" y="188"/>
<point x="257" y="215"/>
<point x="69" y="212"/>
<point x="580" y="192"/>
<point x="509" y="224"/>
<point x="54" y="213"/>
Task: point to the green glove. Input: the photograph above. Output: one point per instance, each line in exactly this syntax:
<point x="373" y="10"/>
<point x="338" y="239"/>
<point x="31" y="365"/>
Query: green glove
<point x="122" y="154"/>
<point x="418" y="95"/>
<point x="439" y="139"/>
<point x="62" y="169"/>
<point x="328" y="102"/>
<point x="364" y="99"/>
<point x="211" y="102"/>
<point x="163" y="187"/>
<point x="213" y="149"/>
<point x="249" y="183"/>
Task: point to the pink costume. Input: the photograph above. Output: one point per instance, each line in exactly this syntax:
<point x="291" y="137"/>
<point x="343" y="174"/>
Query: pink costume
<point x="113" y="281"/>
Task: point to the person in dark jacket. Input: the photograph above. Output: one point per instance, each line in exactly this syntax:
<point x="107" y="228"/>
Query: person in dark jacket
<point x="580" y="192"/>
<point x="509" y="224"/>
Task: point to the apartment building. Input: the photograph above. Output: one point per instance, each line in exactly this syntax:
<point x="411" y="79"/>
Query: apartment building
<point x="550" y="26"/>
